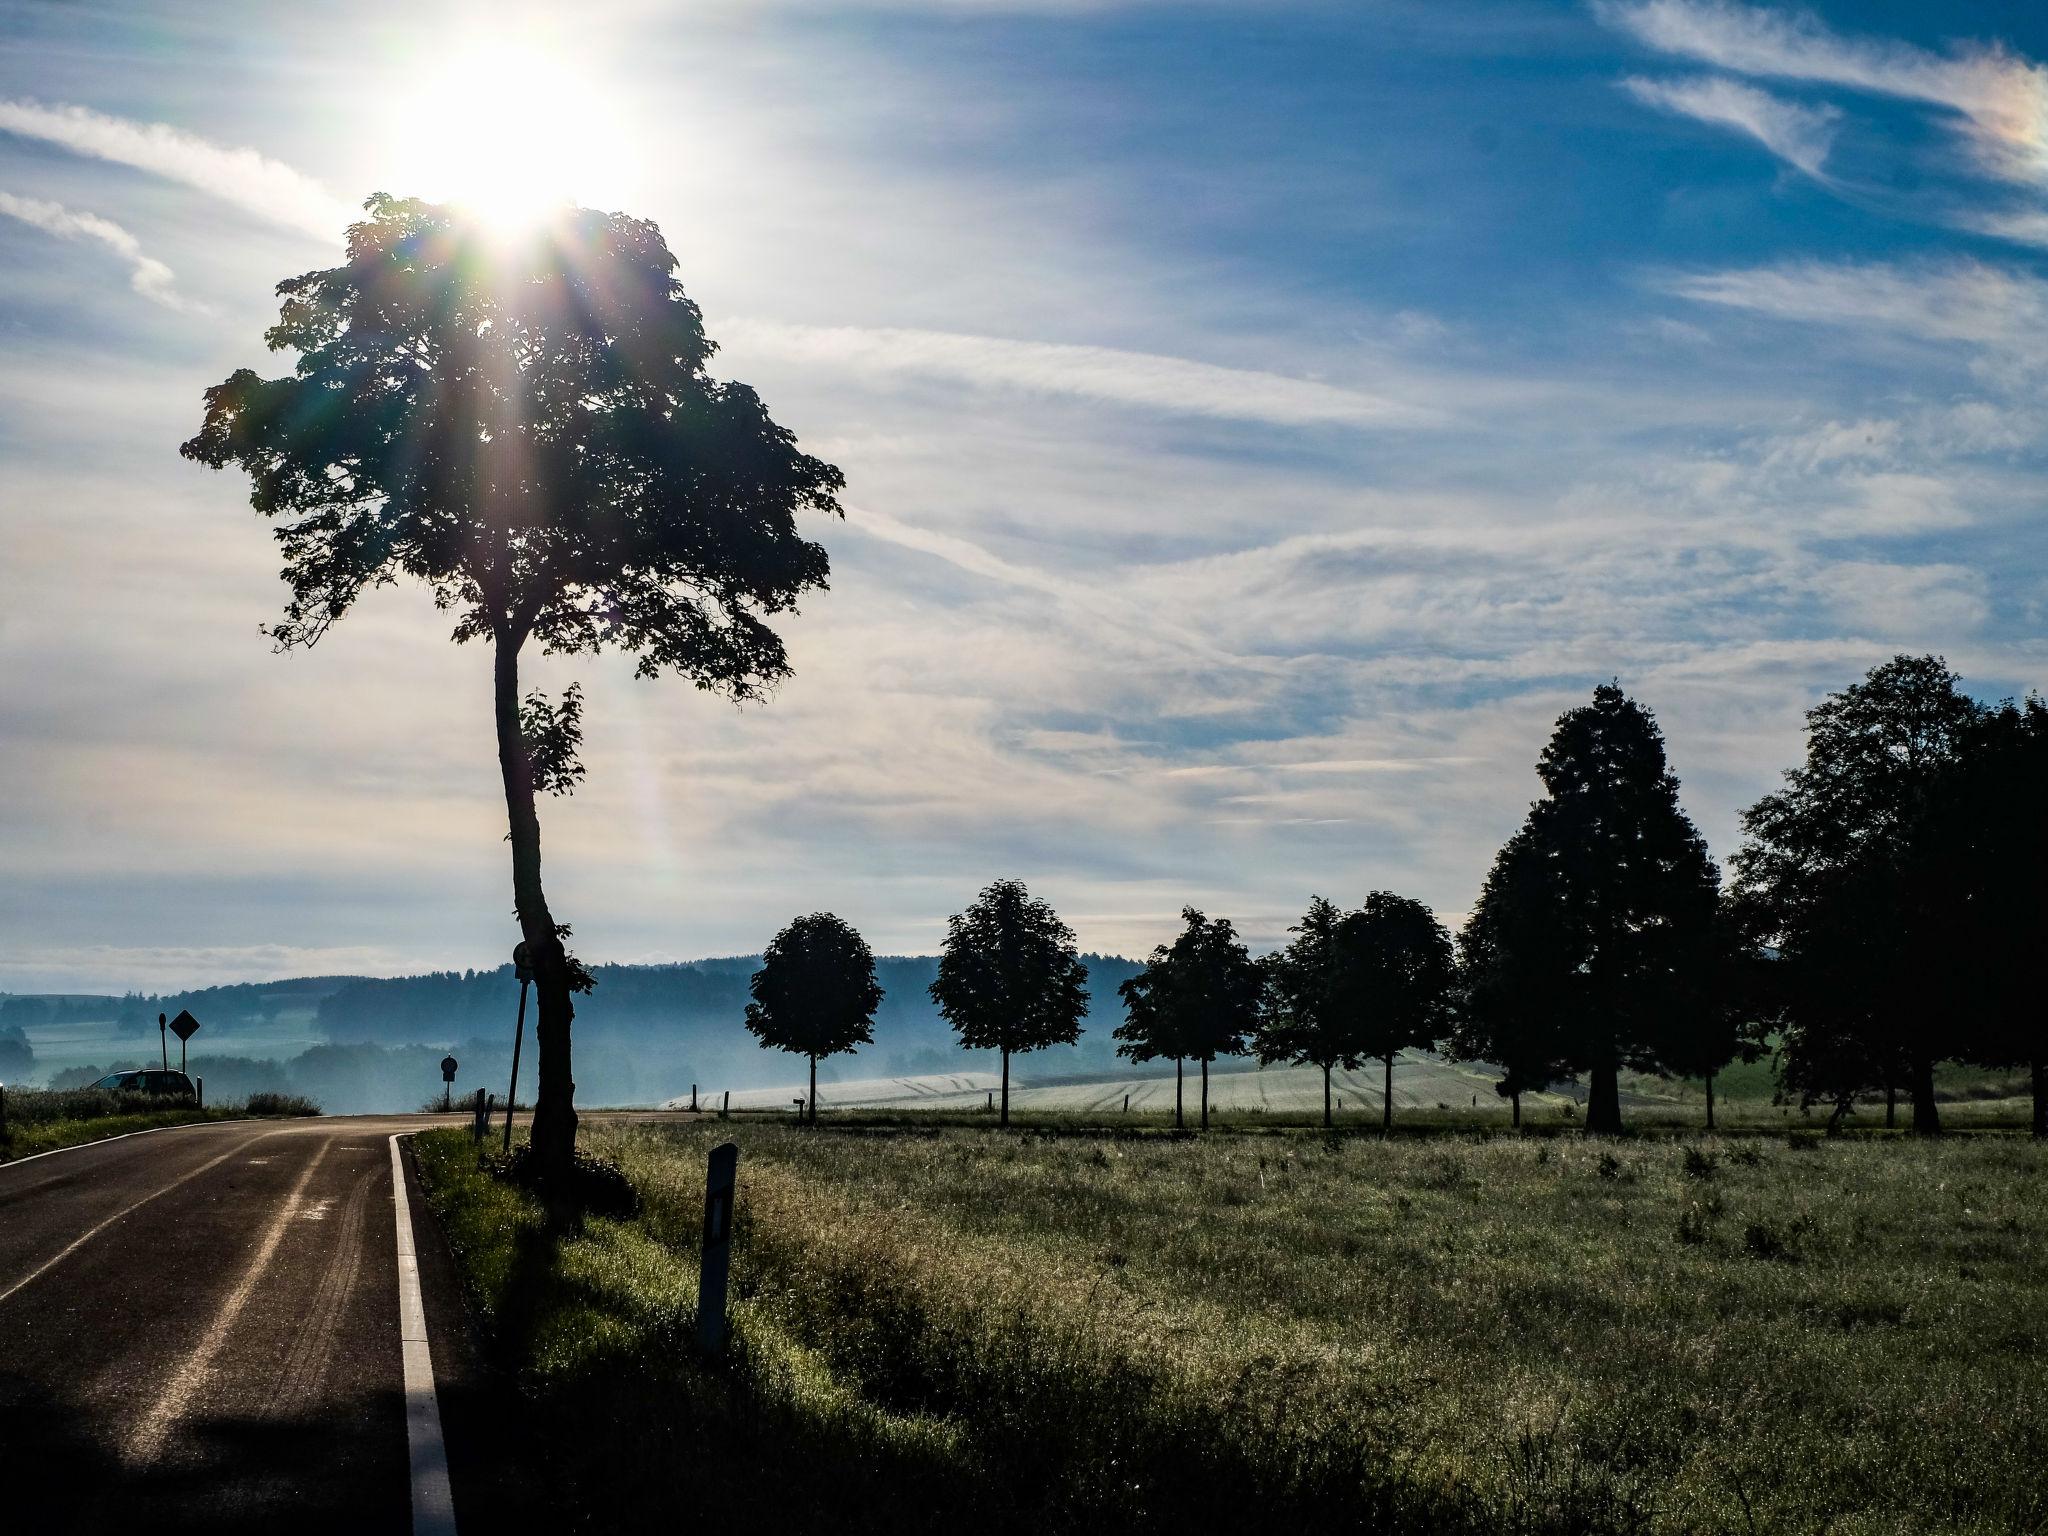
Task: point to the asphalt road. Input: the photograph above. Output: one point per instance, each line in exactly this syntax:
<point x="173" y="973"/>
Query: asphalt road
<point x="199" y="1330"/>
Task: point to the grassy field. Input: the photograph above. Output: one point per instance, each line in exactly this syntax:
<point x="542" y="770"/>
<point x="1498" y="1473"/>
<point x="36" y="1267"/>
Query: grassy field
<point x="1046" y="1331"/>
<point x="42" y="1122"/>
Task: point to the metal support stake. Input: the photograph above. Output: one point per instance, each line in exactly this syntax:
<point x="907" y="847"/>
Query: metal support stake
<point x="719" y="1180"/>
<point x="512" y="1093"/>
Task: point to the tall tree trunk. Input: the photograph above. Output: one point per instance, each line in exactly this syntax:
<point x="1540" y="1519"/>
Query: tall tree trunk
<point x="1710" y="1101"/>
<point x="1326" y="1096"/>
<point x="1515" y="1098"/>
<point x="1177" y="1122"/>
<point x="1891" y="1104"/>
<point x="2041" y="1096"/>
<point x="1387" y="1098"/>
<point x="1205" y="1093"/>
<point x="812" y="1102"/>
<point x="1006" y="1086"/>
<point x="1603" y="1104"/>
<point x="1926" y="1117"/>
<point x="553" y="1134"/>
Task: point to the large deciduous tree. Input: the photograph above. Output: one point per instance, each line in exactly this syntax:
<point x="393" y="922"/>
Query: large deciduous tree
<point x="1197" y="998"/>
<point x="1840" y="863"/>
<point x="1605" y="907"/>
<point x="1397" y="974"/>
<point x="1307" y="1017"/>
<point x="816" y="993"/>
<point x="526" y="425"/>
<point x="1009" y="978"/>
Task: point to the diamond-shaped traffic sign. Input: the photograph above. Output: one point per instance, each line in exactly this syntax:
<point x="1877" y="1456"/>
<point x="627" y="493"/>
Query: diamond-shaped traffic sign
<point x="184" y="1026"/>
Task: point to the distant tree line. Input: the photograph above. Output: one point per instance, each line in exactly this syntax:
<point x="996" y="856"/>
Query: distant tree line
<point x="1882" y="918"/>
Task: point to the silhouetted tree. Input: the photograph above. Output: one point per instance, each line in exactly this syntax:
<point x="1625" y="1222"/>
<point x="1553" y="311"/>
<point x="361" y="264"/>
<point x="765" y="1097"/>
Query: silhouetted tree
<point x="815" y="993"/>
<point x="1615" y="927"/>
<point x="1307" y="1017"/>
<point x="1197" y="998"/>
<point x="17" y="1056"/>
<point x="1397" y="972"/>
<point x="1987" y="862"/>
<point x="1838" y="863"/>
<point x="1009" y="978"/>
<point x="528" y="428"/>
<point x="1513" y="995"/>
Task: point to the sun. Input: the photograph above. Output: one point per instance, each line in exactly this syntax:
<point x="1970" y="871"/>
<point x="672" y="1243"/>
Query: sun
<point x="510" y="132"/>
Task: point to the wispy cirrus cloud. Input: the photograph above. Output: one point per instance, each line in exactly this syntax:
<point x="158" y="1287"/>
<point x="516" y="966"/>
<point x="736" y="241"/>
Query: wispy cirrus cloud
<point x="146" y="275"/>
<point x="1799" y="135"/>
<point x="2000" y="99"/>
<point x="253" y="182"/>
<point x="1960" y="300"/>
<point x="1058" y="369"/>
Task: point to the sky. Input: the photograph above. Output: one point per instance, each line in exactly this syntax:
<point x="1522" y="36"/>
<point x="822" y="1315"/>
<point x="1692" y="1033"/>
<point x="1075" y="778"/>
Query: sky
<point x="1260" y="421"/>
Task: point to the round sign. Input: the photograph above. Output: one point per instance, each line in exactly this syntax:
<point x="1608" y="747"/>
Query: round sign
<point x="447" y="1069"/>
<point x="522" y="961"/>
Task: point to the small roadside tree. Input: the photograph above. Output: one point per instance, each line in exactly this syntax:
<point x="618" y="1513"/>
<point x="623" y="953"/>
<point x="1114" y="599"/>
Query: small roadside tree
<point x="1397" y="973"/>
<point x="1512" y="995"/>
<point x="816" y="993"/>
<point x="1306" y="1017"/>
<point x="526" y="426"/>
<point x="1009" y="977"/>
<point x="1198" y="997"/>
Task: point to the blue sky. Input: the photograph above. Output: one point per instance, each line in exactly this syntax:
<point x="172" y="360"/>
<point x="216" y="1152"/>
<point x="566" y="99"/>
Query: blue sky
<point x="1259" y="420"/>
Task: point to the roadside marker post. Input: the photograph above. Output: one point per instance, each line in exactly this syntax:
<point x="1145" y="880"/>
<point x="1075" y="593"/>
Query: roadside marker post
<point x="524" y="971"/>
<point x="199" y="1092"/>
<point x="693" y="1098"/>
<point x="720" y="1178"/>
<point x="725" y="1104"/>
<point x="482" y="1118"/>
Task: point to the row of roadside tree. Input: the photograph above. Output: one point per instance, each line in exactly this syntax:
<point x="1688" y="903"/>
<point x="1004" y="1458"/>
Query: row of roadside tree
<point x="1885" y="907"/>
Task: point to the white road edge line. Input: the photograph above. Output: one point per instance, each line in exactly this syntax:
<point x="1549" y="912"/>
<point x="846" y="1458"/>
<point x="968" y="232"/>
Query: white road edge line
<point x="433" y="1503"/>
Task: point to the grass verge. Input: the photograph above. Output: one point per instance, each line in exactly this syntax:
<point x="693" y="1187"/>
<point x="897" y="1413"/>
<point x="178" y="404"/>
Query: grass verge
<point x="1046" y="1331"/>
<point x="44" y="1122"/>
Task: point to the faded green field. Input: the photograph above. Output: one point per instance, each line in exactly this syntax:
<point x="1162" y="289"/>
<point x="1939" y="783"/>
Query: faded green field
<point x="1453" y="1332"/>
<point x="38" y="1121"/>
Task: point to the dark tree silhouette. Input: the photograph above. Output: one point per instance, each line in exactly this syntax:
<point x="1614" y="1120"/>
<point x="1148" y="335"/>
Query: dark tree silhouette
<point x="1009" y="978"/>
<point x="528" y="429"/>
<point x="1514" y="998"/>
<point x="1837" y="863"/>
<point x="1307" y="1017"/>
<point x="1197" y="998"/>
<point x="1625" y="903"/>
<point x="1988" y="852"/>
<point x="815" y="993"/>
<point x="1397" y="973"/>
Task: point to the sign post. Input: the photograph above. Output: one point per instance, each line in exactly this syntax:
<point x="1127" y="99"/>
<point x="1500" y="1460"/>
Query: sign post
<point x="447" y="1081"/>
<point x="524" y="972"/>
<point x="184" y="1026"/>
<point x="163" y="1042"/>
<point x="719" y="1181"/>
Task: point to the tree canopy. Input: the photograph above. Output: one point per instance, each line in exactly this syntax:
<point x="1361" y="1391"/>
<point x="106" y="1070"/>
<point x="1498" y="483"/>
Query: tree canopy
<point x="1009" y="976"/>
<point x="1197" y="998"/>
<point x="1397" y="978"/>
<point x="1595" y="941"/>
<point x="1843" y="868"/>
<point x="816" y="993"/>
<point x="526" y="425"/>
<point x="1307" y="1017"/>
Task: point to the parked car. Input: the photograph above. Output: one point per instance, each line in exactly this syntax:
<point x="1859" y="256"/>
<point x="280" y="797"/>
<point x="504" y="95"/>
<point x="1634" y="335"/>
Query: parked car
<point x="154" y="1081"/>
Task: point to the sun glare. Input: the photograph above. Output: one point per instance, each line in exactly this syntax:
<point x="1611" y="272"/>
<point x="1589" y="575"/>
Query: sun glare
<point x="510" y="132"/>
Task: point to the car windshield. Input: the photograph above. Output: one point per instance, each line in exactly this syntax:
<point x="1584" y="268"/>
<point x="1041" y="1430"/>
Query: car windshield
<point x="118" y="1080"/>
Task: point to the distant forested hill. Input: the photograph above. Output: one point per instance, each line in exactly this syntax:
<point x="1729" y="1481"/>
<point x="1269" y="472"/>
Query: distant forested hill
<point x="697" y="1008"/>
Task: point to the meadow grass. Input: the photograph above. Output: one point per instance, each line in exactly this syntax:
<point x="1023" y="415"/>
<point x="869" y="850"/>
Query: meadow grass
<point x="1041" y="1330"/>
<point x="39" y="1121"/>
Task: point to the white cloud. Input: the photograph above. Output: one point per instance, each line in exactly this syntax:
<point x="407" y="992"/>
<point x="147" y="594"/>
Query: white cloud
<point x="1143" y="379"/>
<point x="2000" y="98"/>
<point x="146" y="275"/>
<point x="1801" y="136"/>
<point x="244" y="178"/>
<point x="1966" y="301"/>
